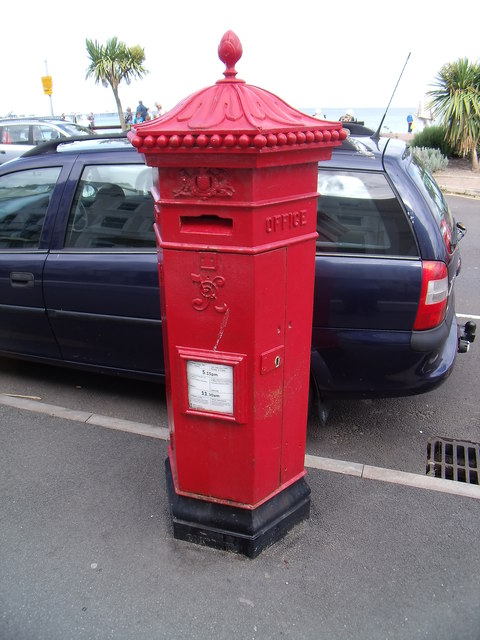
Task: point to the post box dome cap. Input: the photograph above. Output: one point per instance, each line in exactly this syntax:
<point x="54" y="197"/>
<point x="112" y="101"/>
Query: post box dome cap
<point x="232" y="114"/>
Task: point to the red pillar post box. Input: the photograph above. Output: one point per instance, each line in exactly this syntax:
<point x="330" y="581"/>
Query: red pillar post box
<point x="235" y="218"/>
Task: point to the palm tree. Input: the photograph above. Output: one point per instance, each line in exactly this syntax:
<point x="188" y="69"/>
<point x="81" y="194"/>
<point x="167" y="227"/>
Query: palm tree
<point x="456" y="99"/>
<point x="114" y="62"/>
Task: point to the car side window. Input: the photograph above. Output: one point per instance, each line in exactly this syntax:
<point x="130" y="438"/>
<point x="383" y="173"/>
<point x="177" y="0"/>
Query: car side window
<point x="44" y="133"/>
<point x="15" y="134"/>
<point x="112" y="209"/>
<point x="24" y="200"/>
<point x="358" y="213"/>
<point x="435" y="201"/>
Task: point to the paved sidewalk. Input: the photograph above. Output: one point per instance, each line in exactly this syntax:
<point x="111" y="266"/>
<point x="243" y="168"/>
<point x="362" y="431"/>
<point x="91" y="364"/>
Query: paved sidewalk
<point x="462" y="182"/>
<point x="458" y="178"/>
<point x="87" y="552"/>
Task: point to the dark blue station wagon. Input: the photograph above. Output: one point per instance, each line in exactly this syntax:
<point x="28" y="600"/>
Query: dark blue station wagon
<point x="79" y="278"/>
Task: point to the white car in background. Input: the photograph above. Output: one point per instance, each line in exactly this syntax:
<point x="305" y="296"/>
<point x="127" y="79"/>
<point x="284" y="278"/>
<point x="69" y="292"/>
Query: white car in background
<point x="18" y="135"/>
<point x="82" y="120"/>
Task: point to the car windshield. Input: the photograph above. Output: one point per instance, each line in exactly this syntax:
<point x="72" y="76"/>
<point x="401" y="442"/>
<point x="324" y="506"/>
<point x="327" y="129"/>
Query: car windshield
<point x="76" y="129"/>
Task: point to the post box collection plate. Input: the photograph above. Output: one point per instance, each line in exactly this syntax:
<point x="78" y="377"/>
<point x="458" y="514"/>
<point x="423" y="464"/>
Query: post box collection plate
<point x="210" y="386"/>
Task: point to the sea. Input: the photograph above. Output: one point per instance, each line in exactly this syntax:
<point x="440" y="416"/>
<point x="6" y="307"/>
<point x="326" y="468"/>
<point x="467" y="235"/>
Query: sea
<point x="395" y="120"/>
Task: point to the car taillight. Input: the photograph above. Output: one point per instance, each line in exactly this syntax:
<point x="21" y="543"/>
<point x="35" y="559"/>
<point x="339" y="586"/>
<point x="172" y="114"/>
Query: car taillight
<point x="434" y="296"/>
<point x="446" y="235"/>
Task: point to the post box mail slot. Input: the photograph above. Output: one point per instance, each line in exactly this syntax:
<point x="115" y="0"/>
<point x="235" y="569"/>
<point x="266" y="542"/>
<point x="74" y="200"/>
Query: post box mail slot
<point x="211" y="225"/>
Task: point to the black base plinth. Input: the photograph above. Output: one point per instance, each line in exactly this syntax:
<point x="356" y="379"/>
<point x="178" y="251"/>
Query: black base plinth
<point x="244" y="531"/>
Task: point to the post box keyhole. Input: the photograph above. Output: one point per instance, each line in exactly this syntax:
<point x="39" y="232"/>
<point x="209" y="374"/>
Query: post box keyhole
<point x="277" y="361"/>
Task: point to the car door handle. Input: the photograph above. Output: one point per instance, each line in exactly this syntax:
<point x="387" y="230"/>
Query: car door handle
<point x="22" y="279"/>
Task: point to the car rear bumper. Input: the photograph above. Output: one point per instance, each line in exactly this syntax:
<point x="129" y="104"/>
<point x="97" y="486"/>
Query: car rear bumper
<point x="383" y="364"/>
<point x="433" y="339"/>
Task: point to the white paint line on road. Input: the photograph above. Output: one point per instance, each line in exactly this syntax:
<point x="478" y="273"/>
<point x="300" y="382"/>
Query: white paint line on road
<point x="42" y="407"/>
<point x="131" y="427"/>
<point x="83" y="416"/>
<point x="356" y="469"/>
<point x="337" y="466"/>
<point x="422" y="482"/>
<point x="466" y="315"/>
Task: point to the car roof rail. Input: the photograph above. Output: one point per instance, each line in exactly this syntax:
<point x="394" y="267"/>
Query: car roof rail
<point x="33" y="119"/>
<point x="51" y="145"/>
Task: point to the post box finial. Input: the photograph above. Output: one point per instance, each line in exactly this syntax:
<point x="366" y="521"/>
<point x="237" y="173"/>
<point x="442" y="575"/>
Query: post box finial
<point x="230" y="51"/>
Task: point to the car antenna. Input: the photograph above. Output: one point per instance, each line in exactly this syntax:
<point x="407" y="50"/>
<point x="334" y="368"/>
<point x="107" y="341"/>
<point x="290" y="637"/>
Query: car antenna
<point x="376" y="135"/>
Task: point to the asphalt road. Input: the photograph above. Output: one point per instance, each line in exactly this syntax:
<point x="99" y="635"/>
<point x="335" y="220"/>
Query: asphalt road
<point x="87" y="553"/>
<point x="86" y="549"/>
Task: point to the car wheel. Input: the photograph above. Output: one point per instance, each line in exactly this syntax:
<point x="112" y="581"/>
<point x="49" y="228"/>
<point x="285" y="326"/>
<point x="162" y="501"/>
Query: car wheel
<point x="318" y="406"/>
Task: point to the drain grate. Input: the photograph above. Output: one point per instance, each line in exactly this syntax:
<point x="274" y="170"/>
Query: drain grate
<point x="453" y="460"/>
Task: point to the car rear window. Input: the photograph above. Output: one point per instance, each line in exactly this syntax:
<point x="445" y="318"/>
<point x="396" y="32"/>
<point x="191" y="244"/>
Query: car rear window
<point x="112" y="209"/>
<point x="359" y="213"/>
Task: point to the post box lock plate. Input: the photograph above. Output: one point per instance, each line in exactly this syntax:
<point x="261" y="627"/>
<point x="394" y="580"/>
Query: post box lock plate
<point x="271" y="359"/>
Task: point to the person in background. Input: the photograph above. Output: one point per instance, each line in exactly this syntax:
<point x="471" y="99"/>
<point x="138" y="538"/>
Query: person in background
<point x="159" y="109"/>
<point x="141" y="109"/>
<point x="91" y="120"/>
<point x="128" y="117"/>
<point x="138" y="118"/>
<point x="409" y="123"/>
<point x="348" y="117"/>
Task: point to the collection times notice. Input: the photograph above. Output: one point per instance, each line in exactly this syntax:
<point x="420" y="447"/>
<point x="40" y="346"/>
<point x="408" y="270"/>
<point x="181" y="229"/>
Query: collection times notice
<point x="210" y="386"/>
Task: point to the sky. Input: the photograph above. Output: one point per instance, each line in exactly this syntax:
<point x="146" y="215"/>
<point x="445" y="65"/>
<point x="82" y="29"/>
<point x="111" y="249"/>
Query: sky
<point x="311" y="54"/>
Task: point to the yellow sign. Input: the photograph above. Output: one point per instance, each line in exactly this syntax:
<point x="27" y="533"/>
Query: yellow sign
<point x="47" y="85"/>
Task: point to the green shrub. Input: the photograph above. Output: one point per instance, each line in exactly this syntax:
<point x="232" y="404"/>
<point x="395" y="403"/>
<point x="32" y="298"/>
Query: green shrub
<point x="432" y="159"/>
<point x="432" y="138"/>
